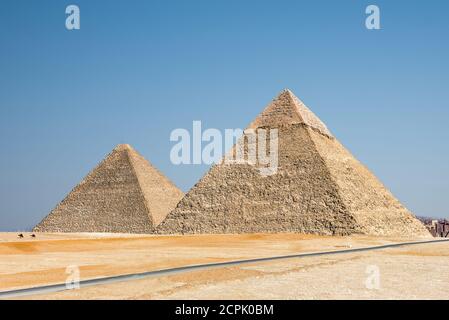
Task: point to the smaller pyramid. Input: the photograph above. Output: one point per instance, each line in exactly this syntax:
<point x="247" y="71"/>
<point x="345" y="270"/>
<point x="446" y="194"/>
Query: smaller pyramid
<point x="123" y="194"/>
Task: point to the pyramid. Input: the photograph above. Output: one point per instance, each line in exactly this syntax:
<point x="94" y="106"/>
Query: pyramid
<point x="319" y="187"/>
<point x="124" y="193"/>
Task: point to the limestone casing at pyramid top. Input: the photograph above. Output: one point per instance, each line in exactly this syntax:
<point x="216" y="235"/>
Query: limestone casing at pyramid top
<point x="287" y="109"/>
<point x="123" y="147"/>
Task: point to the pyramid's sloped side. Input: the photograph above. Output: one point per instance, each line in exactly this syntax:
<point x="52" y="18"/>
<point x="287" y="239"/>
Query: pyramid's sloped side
<point x="376" y="210"/>
<point x="107" y="200"/>
<point x="235" y="198"/>
<point x="308" y="117"/>
<point x="161" y="195"/>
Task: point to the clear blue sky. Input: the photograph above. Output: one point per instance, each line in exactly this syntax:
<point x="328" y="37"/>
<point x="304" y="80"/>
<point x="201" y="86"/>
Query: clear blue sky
<point x="139" y="69"/>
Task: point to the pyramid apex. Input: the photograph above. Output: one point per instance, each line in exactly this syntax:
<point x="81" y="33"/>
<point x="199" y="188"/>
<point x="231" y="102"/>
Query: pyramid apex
<point x="287" y="109"/>
<point x="284" y="92"/>
<point x="123" y="147"/>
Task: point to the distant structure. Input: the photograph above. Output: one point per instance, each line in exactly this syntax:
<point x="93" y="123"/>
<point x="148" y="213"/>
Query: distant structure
<point x="319" y="188"/>
<point x="436" y="227"/>
<point x="124" y="193"/>
<point x="439" y="228"/>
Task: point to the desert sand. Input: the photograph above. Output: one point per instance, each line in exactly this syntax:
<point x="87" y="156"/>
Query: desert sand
<point x="415" y="272"/>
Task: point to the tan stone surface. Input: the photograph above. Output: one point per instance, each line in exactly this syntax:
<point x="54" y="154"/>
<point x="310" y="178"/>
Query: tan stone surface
<point x="374" y="208"/>
<point x="286" y="110"/>
<point x="124" y="193"/>
<point x="319" y="188"/>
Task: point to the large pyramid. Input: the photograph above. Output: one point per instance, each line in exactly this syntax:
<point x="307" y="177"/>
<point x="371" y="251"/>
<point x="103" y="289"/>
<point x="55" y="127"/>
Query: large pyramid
<point x="319" y="187"/>
<point x="124" y="193"/>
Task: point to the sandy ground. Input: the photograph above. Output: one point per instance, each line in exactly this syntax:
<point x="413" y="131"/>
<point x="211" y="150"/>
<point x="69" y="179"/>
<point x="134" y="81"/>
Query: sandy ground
<point x="413" y="272"/>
